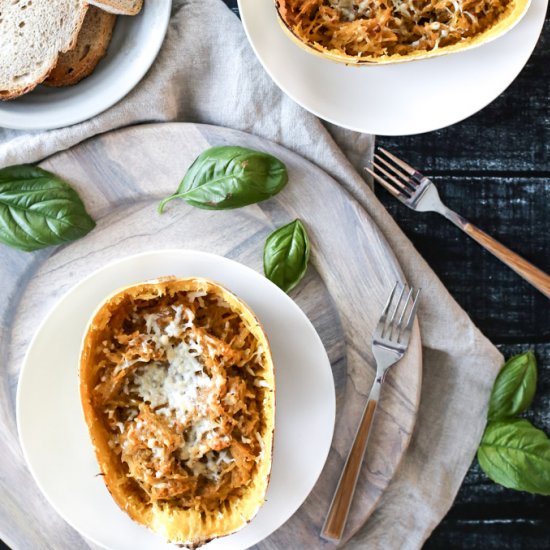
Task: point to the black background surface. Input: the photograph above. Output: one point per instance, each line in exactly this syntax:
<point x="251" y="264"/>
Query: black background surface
<point x="493" y="168"/>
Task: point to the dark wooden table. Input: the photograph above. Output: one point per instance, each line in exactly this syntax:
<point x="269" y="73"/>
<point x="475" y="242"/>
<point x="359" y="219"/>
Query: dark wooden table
<point x="494" y="168"/>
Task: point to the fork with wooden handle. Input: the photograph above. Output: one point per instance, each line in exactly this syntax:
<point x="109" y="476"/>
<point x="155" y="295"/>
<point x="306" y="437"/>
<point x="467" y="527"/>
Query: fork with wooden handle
<point x="420" y="194"/>
<point x="389" y="344"/>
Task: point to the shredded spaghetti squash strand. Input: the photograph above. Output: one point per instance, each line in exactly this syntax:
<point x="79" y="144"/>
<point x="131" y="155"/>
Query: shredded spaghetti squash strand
<point x="386" y="27"/>
<point x="180" y="394"/>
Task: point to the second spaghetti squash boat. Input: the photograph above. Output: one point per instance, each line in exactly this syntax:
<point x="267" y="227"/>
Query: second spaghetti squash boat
<point x="392" y="31"/>
<point x="178" y="391"/>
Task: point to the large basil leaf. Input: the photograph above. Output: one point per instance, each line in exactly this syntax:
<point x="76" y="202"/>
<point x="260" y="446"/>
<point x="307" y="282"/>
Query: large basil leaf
<point x="230" y="177"/>
<point x="517" y="455"/>
<point x="514" y="387"/>
<point x="38" y="209"/>
<point x="286" y="255"/>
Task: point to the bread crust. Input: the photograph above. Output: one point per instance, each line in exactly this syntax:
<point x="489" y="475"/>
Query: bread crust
<point x="91" y="46"/>
<point x="191" y="527"/>
<point x="6" y="95"/>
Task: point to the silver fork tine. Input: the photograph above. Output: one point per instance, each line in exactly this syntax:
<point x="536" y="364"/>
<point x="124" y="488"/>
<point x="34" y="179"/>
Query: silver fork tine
<point x="400" y="322"/>
<point x="395" y="171"/>
<point x="414" y="178"/>
<point x="410" y="320"/>
<point x="395" y="192"/>
<point x="405" y="190"/>
<point x="391" y="325"/>
<point x="402" y="164"/>
<point x="384" y="316"/>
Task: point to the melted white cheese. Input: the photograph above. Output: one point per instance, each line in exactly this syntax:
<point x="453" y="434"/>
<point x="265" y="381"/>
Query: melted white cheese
<point x="181" y="389"/>
<point x="176" y="386"/>
<point x="354" y="9"/>
<point x="345" y="7"/>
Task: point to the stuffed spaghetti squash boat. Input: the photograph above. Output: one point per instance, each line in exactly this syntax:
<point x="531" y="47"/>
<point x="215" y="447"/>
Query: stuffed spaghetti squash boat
<point x="392" y="31"/>
<point x="178" y="392"/>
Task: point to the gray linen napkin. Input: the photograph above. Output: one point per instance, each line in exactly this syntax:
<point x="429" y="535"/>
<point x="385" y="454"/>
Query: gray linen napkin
<point x="206" y="72"/>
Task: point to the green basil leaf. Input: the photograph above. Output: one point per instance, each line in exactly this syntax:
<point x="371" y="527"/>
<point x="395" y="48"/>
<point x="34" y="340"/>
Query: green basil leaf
<point x="38" y="209"/>
<point x="286" y="254"/>
<point x="516" y="455"/>
<point x="230" y="177"/>
<point x="514" y="387"/>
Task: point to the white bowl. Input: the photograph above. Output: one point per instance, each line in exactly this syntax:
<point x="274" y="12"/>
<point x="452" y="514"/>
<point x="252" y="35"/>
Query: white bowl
<point x="135" y="44"/>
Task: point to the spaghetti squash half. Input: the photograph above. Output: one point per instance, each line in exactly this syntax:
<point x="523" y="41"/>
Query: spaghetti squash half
<point x="177" y="388"/>
<point x="391" y="31"/>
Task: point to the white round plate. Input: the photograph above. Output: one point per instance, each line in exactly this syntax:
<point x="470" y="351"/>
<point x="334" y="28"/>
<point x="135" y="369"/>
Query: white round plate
<point x="401" y="99"/>
<point x="134" y="46"/>
<point x="54" y="436"/>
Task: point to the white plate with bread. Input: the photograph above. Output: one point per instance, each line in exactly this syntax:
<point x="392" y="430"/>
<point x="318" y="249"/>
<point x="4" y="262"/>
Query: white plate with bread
<point x="65" y="61"/>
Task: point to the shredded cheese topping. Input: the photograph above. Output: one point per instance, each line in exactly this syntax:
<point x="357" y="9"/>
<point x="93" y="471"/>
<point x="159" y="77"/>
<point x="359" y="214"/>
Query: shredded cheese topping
<point x="387" y="27"/>
<point x="180" y="387"/>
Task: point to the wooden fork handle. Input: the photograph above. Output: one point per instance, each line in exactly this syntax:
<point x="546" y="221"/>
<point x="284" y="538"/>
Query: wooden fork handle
<point x="522" y="267"/>
<point x="337" y="516"/>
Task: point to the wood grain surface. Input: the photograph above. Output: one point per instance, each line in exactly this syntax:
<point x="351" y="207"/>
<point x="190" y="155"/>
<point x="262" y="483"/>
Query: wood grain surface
<point x="121" y="176"/>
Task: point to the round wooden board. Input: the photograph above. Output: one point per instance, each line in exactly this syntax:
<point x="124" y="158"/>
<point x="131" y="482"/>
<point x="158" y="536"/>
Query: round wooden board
<point x="120" y="176"/>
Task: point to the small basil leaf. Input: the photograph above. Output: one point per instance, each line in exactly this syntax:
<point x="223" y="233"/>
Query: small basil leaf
<point x="286" y="255"/>
<point x="514" y="387"/>
<point x="516" y="455"/>
<point x="38" y="209"/>
<point x="230" y="177"/>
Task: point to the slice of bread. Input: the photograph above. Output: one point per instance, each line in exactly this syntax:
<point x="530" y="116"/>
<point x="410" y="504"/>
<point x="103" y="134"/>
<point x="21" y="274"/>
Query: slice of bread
<point x="32" y="34"/>
<point x="91" y="45"/>
<point x="120" y="7"/>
